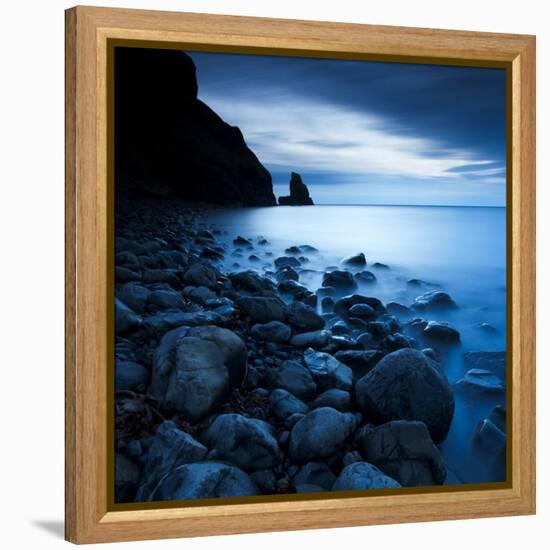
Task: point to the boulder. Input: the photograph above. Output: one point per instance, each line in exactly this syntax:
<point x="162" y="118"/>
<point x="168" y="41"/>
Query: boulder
<point x="248" y="443"/>
<point x="494" y="361"/>
<point x="299" y="193"/>
<point x="199" y="294"/>
<point x="407" y="385"/>
<point x="134" y="295"/>
<point x="480" y="381"/>
<point x="344" y="304"/>
<point x="284" y="404"/>
<point x="314" y="473"/>
<point x="358" y="260"/>
<point x="327" y="371"/>
<point x="490" y="437"/>
<point x="274" y="331"/>
<point x="163" y="321"/>
<point x="169" y="449"/>
<point x="126" y="320"/>
<point x="295" y="378"/>
<point x="339" y="279"/>
<point x="166" y="299"/>
<point x="320" y="434"/>
<point x="201" y="274"/>
<point x="360" y="476"/>
<point x="286" y="261"/>
<point x="204" y="480"/>
<point x="303" y="317"/>
<point x="434" y="300"/>
<point x="262" y="309"/>
<point x="130" y="376"/>
<point x="365" y="277"/>
<point x="335" y="398"/>
<point x="250" y="281"/>
<point x="404" y="451"/>
<point x="315" y="339"/>
<point x="193" y="368"/>
<point x="442" y="333"/>
<point x="362" y="311"/>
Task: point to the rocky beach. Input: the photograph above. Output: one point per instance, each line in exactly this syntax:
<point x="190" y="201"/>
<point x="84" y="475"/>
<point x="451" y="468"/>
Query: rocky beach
<point x="237" y="382"/>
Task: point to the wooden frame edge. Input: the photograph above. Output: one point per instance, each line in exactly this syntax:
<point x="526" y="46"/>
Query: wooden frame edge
<point x="87" y="518"/>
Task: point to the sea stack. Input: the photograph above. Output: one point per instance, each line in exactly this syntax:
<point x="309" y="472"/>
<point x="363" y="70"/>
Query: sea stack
<point x="299" y="194"/>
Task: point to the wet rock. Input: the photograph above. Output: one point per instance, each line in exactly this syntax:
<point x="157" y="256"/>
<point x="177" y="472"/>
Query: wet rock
<point x="241" y="241"/>
<point x="358" y="260"/>
<point x="498" y="417"/>
<point x="273" y="331"/>
<point x="339" y="279"/>
<point x="378" y="265"/>
<point x="125" y="275"/>
<point x="248" y="443"/>
<point x="127" y="476"/>
<point x="365" y="277"/>
<point x="284" y="404"/>
<point x="304" y="317"/>
<point x="405" y="452"/>
<point x="130" y="376"/>
<point x="292" y="250"/>
<point x="286" y="261"/>
<point x="319" y="434"/>
<point x="327" y="304"/>
<point x="494" y="361"/>
<point x="170" y="448"/>
<point x="315" y="473"/>
<point x="134" y="295"/>
<point x="490" y="437"/>
<point x="327" y="371"/>
<point x="161" y="276"/>
<point x="265" y="480"/>
<point x="479" y="381"/>
<point x="166" y="299"/>
<point x="407" y="385"/>
<point x="204" y="480"/>
<point x="343" y="305"/>
<point x="263" y="309"/>
<point x="442" y="333"/>
<point x="286" y="274"/>
<point x="199" y="294"/>
<point x="292" y="288"/>
<point x="193" y="368"/>
<point x="201" y="274"/>
<point x="351" y="458"/>
<point x="360" y="476"/>
<point x="295" y="378"/>
<point x="126" y="320"/>
<point x="397" y="309"/>
<point x="335" y="398"/>
<point x="488" y="329"/>
<point x="250" y="281"/>
<point x="163" y="321"/>
<point x="315" y="339"/>
<point x="362" y="311"/>
<point x="434" y="300"/>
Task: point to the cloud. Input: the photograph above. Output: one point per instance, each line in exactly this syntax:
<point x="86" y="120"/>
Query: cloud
<point x="288" y="132"/>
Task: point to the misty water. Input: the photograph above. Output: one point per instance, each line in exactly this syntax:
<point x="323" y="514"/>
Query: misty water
<point x="461" y="250"/>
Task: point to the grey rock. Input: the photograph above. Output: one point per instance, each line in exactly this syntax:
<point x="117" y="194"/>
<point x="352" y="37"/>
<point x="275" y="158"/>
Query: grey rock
<point x="199" y="294"/>
<point x="343" y="305"/>
<point x="193" y="368"/>
<point x="163" y="321"/>
<point x="130" y="376"/>
<point x="262" y="309"/>
<point x="397" y="309"/>
<point x="434" y="300"/>
<point x="273" y="331"/>
<point x="335" y="398"/>
<point x="442" y="333"/>
<point x="358" y="260"/>
<point x="480" y="381"/>
<point x="362" y="311"/>
<point x="304" y="317"/>
<point x="286" y="261"/>
<point x="320" y="434"/>
<point x="339" y="279"/>
<point x="166" y="299"/>
<point x="134" y="295"/>
<point x="360" y="476"/>
<point x="295" y="378"/>
<point x="407" y="385"/>
<point x="126" y="320"/>
<point x="284" y="404"/>
<point x="315" y="339"/>
<point x="248" y="443"/>
<point x="314" y="473"/>
<point x="365" y="277"/>
<point x="351" y="458"/>
<point x="169" y="276"/>
<point x="125" y="275"/>
<point x="201" y="274"/>
<point x="404" y="451"/>
<point x="494" y="361"/>
<point x="327" y="371"/>
<point x="169" y="448"/>
<point x="204" y="480"/>
<point x="490" y="437"/>
<point x="265" y="480"/>
<point x="250" y="281"/>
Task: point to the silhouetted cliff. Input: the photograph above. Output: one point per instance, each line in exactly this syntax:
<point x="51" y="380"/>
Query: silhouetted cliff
<point x="169" y="142"/>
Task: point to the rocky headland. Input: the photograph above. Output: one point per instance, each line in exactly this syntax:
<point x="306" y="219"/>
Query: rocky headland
<point x="248" y="382"/>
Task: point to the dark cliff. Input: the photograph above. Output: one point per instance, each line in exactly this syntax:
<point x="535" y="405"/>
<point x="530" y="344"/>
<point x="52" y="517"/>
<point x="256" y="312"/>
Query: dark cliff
<point x="299" y="193"/>
<point x="167" y="141"/>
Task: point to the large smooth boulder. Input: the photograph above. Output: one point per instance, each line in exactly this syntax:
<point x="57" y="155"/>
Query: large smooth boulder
<point x="343" y="305"/>
<point x="166" y="299"/>
<point x="204" y="480"/>
<point x="327" y="371"/>
<point x="315" y="473"/>
<point x="134" y="295"/>
<point x="169" y="449"/>
<point x="441" y="333"/>
<point x="404" y="451"/>
<point x="273" y="331"/>
<point x="262" y="309"/>
<point x="315" y="339"/>
<point x="357" y="260"/>
<point x="295" y="378"/>
<point x="248" y="443"/>
<point x="320" y="434"/>
<point x="303" y="317"/>
<point x="130" y="375"/>
<point x="335" y="398"/>
<point x="250" y="281"/>
<point x="193" y="368"/>
<point x="360" y="476"/>
<point x="407" y="385"/>
<point x="284" y="404"/>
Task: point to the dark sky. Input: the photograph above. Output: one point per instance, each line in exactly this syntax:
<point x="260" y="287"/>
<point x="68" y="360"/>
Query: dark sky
<point x="366" y="132"/>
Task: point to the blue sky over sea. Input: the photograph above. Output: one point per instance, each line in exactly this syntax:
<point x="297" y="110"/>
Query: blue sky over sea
<point x="367" y="132"/>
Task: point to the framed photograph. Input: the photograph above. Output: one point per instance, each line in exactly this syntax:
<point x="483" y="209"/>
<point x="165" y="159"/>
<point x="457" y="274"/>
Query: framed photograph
<point x="300" y="274"/>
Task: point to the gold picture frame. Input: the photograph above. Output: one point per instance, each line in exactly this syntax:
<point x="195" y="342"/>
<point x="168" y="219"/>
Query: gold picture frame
<point x="91" y="34"/>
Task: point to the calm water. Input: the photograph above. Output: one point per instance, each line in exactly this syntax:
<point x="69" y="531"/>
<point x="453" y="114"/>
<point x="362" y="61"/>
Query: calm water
<point x="461" y="250"/>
